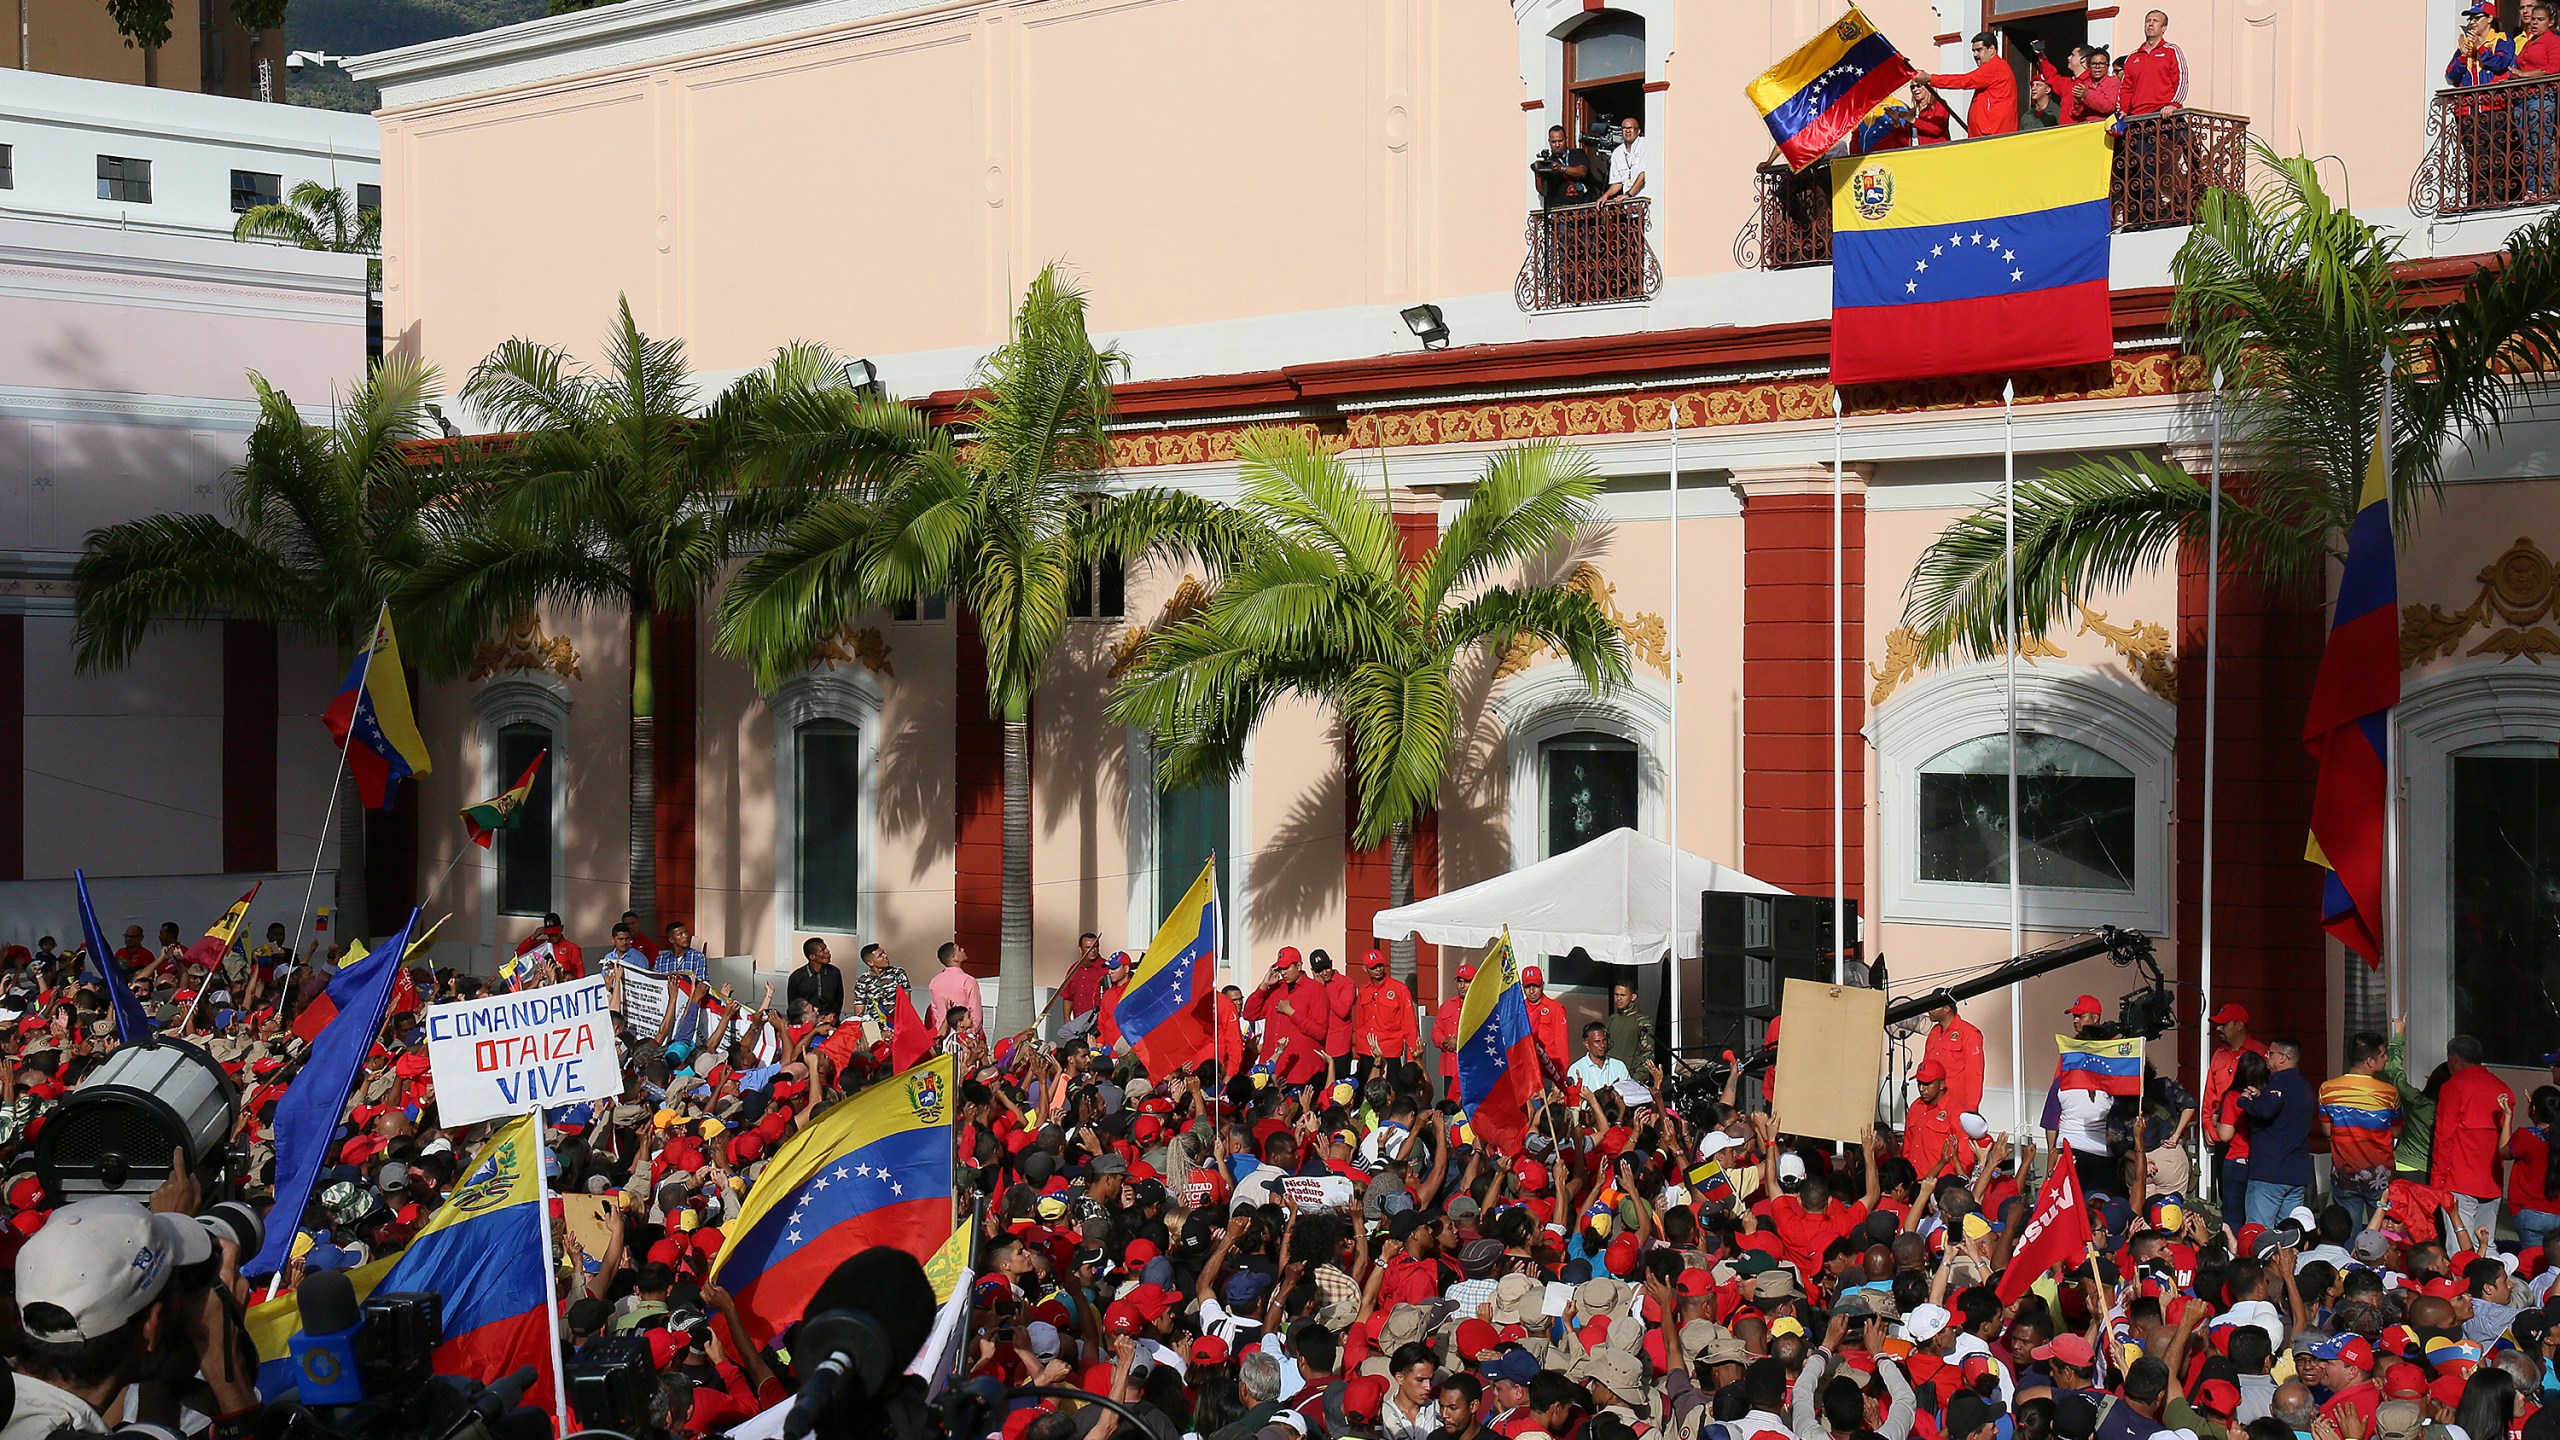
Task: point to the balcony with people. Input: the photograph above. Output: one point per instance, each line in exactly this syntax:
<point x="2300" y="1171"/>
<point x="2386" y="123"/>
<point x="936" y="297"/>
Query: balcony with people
<point x="2493" y="132"/>
<point x="1588" y="241"/>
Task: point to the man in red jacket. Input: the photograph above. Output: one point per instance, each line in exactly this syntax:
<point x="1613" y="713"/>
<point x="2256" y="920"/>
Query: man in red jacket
<point x="1444" y="1030"/>
<point x="2475" y="1116"/>
<point x="1546" y="1019"/>
<point x="1340" y="995"/>
<point x="1292" y="1010"/>
<point x="1382" y="1024"/>
<point x="1994" y="110"/>
<point x="2155" y="76"/>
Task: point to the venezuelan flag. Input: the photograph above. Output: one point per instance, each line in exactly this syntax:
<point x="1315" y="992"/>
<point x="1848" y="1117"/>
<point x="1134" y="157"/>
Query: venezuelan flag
<point x="482" y="1253"/>
<point x="1712" y="1184"/>
<point x="2349" y="724"/>
<point x="371" y="720"/>
<point x="1820" y="93"/>
<point x="2364" y="1119"/>
<point x="1497" y="1052"/>
<point x="484" y="820"/>
<point x="1971" y="259"/>
<point x="1164" y="1010"/>
<point x="872" y="1169"/>
<point x="2110" y="1067"/>
<point x="208" y="952"/>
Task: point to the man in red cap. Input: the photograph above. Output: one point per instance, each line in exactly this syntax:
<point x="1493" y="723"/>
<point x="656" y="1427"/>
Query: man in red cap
<point x="1292" y="1010"/>
<point x="1382" y="1023"/>
<point x="1546" y="1019"/>
<point x="1933" y="1137"/>
<point x="2231" y="1039"/>
<point x="1444" y="1029"/>
<point x="1956" y="1044"/>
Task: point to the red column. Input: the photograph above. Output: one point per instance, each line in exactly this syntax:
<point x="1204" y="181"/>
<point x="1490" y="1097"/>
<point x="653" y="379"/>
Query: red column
<point x="2269" y="952"/>
<point x="674" y="648"/>
<point x="1787" y="678"/>
<point x="1369" y="875"/>
<point x="977" y="785"/>
<point x="248" y="745"/>
<point x="13" y="747"/>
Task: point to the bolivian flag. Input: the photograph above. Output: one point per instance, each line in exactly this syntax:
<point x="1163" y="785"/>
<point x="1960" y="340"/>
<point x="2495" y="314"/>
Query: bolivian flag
<point x="498" y="812"/>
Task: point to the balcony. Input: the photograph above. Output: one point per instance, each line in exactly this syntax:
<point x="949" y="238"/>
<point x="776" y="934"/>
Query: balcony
<point x="2164" y="165"/>
<point x="1588" y="255"/>
<point x="2489" y="147"/>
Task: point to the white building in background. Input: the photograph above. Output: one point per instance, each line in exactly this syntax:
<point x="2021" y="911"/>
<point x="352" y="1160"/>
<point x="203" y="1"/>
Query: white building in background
<point x="129" y="323"/>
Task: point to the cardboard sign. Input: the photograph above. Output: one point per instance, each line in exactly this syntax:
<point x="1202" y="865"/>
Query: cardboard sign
<point x="1320" y="1192"/>
<point x="589" y="1218"/>
<point x="511" y="1053"/>
<point x="1830" y="1059"/>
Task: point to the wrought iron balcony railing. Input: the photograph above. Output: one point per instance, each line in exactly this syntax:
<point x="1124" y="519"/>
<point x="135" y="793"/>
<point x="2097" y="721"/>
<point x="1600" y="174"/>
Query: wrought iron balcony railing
<point x="2490" y="147"/>
<point x="1588" y="255"/>
<point x="2164" y="165"/>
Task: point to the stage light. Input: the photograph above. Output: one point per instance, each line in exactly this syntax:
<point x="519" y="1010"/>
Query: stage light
<point x="1428" y="325"/>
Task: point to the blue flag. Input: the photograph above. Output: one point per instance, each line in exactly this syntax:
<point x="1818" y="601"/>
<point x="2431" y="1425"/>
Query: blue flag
<point x="132" y="1026"/>
<point x="315" y="1101"/>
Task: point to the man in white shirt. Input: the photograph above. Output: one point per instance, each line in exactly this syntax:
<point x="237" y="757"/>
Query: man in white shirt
<point x="1626" y="163"/>
<point x="1597" y="1069"/>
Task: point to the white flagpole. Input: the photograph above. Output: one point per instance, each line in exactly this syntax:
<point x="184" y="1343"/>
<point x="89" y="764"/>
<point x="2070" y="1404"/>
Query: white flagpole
<point x="1671" y="751"/>
<point x="2395" y="935"/>
<point x="1839" y="658"/>
<point x="550" y="1270"/>
<point x="329" y="817"/>
<point x="2212" y="694"/>
<point x="2017" y="896"/>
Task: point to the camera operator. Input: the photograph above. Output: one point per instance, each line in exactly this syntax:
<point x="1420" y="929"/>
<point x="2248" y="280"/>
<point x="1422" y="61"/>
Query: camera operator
<point x="113" y="1294"/>
<point x="1563" y="171"/>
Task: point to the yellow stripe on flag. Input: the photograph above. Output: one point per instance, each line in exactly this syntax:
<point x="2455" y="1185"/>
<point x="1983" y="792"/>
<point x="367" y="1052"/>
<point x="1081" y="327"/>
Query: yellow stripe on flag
<point x="1977" y="181"/>
<point x="1781" y="82"/>
<point x="945" y="1268"/>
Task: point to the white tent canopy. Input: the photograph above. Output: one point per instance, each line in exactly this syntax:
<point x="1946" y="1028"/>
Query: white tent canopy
<point x="1613" y="897"/>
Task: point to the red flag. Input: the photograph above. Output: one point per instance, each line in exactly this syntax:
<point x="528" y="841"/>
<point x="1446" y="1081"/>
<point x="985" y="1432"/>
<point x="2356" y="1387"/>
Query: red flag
<point x="2057" y="1233"/>
<point x="910" y="1043"/>
<point x="217" y="942"/>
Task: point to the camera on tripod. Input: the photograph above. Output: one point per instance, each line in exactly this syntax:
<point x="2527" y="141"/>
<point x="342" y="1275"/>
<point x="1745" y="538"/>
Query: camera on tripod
<point x="346" y="1354"/>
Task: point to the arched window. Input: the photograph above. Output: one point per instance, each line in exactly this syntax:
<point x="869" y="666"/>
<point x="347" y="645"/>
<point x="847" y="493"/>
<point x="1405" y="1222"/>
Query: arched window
<point x="2075" y="815"/>
<point x="1590" y="784"/>
<point x="2505" y="895"/>
<point x="522" y="716"/>
<point x="826" y="753"/>
<point x="829" y="824"/>
<point x="524" y="848"/>
<point x="1170" y="833"/>
<point x="1604" y="65"/>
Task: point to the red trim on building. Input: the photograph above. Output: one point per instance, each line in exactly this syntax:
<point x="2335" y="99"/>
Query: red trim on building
<point x="2102" y="12"/>
<point x="1369" y="875"/>
<point x="1786" y="690"/>
<point x="13" y="747"/>
<point x="1533" y="104"/>
<point x="2269" y="952"/>
<point x="249" y="688"/>
<point x="1655" y="86"/>
<point x="977" y="808"/>
<point x="675" y="657"/>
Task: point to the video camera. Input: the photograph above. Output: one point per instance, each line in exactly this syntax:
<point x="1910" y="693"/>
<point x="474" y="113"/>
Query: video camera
<point x="367" y="1372"/>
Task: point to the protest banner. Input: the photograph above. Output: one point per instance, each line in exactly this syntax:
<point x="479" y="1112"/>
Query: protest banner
<point x="509" y="1054"/>
<point x="1320" y="1192"/>
<point x="644" y="999"/>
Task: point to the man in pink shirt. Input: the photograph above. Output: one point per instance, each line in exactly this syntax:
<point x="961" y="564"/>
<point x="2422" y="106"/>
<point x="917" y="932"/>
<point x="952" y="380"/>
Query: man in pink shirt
<point x="952" y="985"/>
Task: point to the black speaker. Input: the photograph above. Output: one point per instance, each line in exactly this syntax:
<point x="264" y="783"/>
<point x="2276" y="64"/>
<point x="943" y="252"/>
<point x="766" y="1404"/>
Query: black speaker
<point x="1802" y="926"/>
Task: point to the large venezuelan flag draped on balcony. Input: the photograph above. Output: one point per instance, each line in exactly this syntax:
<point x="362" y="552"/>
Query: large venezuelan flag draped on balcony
<point x="1821" y="92"/>
<point x="2348" y="727"/>
<point x="1983" y="258"/>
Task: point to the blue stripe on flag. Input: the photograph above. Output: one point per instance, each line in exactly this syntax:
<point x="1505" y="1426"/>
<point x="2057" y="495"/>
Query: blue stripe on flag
<point x="1971" y="260"/>
<point x="1825" y="90"/>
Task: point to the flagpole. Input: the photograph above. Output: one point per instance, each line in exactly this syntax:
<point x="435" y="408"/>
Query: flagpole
<point x="550" y="1261"/>
<point x="1671" y="756"/>
<point x="2212" y="695"/>
<point x="1839" y="740"/>
<point x="2395" y="937"/>
<point x="329" y="818"/>
<point x="2017" y="896"/>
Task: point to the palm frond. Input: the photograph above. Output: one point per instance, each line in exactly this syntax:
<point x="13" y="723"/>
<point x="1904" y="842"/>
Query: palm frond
<point x="2479" y="353"/>
<point x="179" y="568"/>
<point x="1309" y="497"/>
<point x="1567" y="619"/>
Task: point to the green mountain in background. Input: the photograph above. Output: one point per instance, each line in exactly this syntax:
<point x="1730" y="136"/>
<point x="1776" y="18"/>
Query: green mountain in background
<point x="359" y="27"/>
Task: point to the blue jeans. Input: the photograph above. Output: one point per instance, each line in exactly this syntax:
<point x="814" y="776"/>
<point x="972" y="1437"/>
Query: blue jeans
<point x="2535" y="119"/>
<point x="2535" y="1227"/>
<point x="2269" y="1202"/>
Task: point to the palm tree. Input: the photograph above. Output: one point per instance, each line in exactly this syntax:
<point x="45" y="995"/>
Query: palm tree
<point x="611" y="490"/>
<point x="325" y="523"/>
<point x="2295" y="300"/>
<point x="314" y="216"/>
<point x="1006" y="522"/>
<point x="1323" y="605"/>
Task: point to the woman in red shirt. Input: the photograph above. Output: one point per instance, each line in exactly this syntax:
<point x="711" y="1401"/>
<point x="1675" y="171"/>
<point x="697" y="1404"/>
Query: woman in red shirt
<point x="2231" y="1127"/>
<point x="1930" y="117"/>
<point x="2533" y="1181"/>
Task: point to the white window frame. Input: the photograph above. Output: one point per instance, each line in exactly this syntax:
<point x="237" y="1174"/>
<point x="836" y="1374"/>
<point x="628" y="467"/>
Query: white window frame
<point x="1550" y="701"/>
<point x="1235" y="858"/>
<point x="532" y="699"/>
<point x="1543" y="26"/>
<point x="2483" y="702"/>
<point x="849" y="696"/>
<point x="2109" y="714"/>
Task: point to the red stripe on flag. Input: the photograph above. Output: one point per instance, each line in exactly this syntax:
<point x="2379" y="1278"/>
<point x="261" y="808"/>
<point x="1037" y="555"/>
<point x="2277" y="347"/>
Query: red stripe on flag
<point x="1809" y="144"/>
<point x="2068" y="325"/>
<point x="775" y="1298"/>
<point x="315" y="1018"/>
<point x="492" y="1352"/>
<point x="1501" y="1119"/>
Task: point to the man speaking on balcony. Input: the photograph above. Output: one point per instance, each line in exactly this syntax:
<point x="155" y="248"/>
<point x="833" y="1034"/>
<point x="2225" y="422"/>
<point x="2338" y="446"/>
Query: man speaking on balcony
<point x="1994" y="110"/>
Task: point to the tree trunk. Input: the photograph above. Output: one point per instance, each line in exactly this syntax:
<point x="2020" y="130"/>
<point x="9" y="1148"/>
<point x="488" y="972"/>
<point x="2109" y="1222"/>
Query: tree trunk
<point x="1014" y="971"/>
<point x="644" y="778"/>
<point x="150" y="67"/>
<point x="1400" y="951"/>
<point x="351" y="920"/>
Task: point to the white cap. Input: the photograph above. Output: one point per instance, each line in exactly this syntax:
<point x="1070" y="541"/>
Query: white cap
<point x="1716" y="1143"/>
<point x="104" y="1260"/>
<point x="1924" y="1322"/>
<point x="1790" y="1167"/>
<point x="1975" y="1127"/>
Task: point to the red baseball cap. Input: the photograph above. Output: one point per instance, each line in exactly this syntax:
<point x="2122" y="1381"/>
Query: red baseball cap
<point x="2405" y="1381"/>
<point x="1373" y="958"/>
<point x="2448" y="1390"/>
<point x="1362" y="1395"/>
<point x="2444" y="1287"/>
<point x="2071" y="1350"/>
<point x="2231" y="1015"/>
<point x="2087" y="1005"/>
<point x="1477" y="1339"/>
<point x="2218" y="1398"/>
<point x="1466" y="972"/>
<point x="1930" y="1072"/>
<point x="1530" y="975"/>
<point x="1138" y="1253"/>
<point x="1288" y="955"/>
<point x="1208" y="1350"/>
<point x="1695" y="1284"/>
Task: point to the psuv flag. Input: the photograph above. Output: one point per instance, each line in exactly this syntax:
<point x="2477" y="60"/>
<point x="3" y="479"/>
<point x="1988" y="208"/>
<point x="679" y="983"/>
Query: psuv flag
<point x="1971" y="259"/>
<point x="2056" y="1233"/>
<point x="208" y="952"/>
<point x="873" y="1169"/>
<point x="371" y="720"/>
<point x="1821" y="92"/>
<point x="132" y="1026"/>
<point x="1497" y="1052"/>
<point x="315" y="1101"/>
<point x="1164" y="1010"/>
<point x="2110" y="1067"/>
<point x="2349" y="724"/>
<point x="482" y="1253"/>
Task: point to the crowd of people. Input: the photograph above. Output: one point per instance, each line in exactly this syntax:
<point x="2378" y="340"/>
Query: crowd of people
<point x="1300" y="1234"/>
<point x="2508" y="142"/>
<point x="2092" y="86"/>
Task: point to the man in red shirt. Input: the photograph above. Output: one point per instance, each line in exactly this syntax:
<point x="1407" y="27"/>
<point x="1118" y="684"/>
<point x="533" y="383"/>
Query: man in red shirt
<point x="1933" y="1137"/>
<point x="1291" y="1008"/>
<point x="1546" y="1018"/>
<point x="1809" y="1220"/>
<point x="1994" y="110"/>
<point x="2155" y="76"/>
<point x="1956" y="1044"/>
<point x="1382" y="1023"/>
<point x="1444" y="1029"/>
<point x="566" y="956"/>
<point x="2475" y="1112"/>
<point x="133" y="955"/>
<point x="1340" y="994"/>
<point x="2345" y="1368"/>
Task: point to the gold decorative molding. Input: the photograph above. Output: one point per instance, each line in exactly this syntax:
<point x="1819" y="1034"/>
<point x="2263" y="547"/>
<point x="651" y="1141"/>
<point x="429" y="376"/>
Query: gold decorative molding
<point x="1902" y="660"/>
<point x="849" y="645"/>
<point x="2519" y="593"/>
<point x="2145" y="646"/>
<point x="1188" y="599"/>
<point x="522" y="649"/>
<point x="1646" y="635"/>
